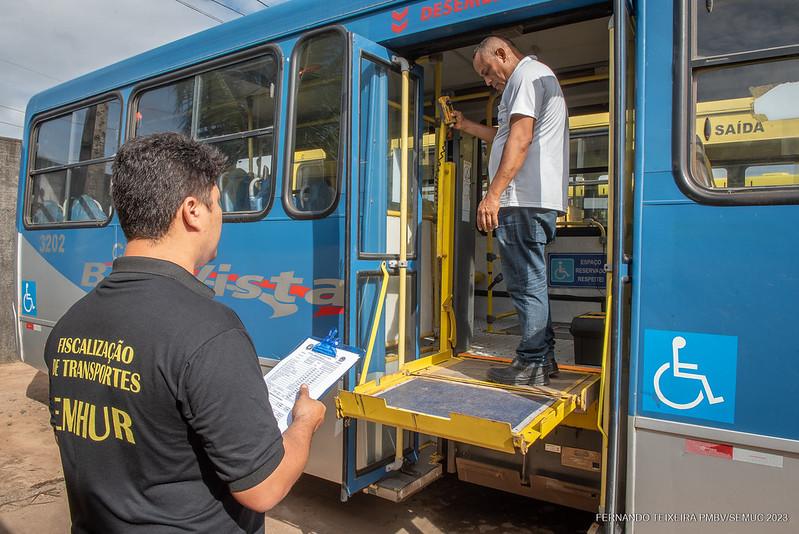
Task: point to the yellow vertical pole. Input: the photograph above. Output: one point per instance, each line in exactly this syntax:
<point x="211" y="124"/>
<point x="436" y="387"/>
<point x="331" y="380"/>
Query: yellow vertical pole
<point x="249" y="141"/>
<point x="489" y="236"/>
<point x="444" y="241"/>
<point x="436" y="275"/>
<point x="446" y="175"/>
<point x="403" y="251"/>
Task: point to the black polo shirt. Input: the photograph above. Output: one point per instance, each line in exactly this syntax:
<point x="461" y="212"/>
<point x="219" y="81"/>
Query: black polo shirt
<point x="159" y="406"/>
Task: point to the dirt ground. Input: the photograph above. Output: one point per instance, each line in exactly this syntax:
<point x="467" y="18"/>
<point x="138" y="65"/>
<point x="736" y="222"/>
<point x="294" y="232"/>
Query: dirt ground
<point x="33" y="497"/>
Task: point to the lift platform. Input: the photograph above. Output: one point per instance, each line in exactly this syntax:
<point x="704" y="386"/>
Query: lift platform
<point x="450" y="397"/>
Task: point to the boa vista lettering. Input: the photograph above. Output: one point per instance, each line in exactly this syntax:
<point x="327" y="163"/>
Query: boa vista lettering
<point x="283" y="293"/>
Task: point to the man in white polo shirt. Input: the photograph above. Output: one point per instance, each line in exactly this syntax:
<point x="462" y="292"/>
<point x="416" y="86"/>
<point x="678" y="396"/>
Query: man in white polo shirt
<point x="528" y="169"/>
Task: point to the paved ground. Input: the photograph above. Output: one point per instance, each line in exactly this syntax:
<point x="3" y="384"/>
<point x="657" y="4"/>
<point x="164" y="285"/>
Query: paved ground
<point x="32" y="495"/>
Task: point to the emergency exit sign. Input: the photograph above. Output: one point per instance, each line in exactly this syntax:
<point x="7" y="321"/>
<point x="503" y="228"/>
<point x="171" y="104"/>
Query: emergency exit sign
<point x="577" y="270"/>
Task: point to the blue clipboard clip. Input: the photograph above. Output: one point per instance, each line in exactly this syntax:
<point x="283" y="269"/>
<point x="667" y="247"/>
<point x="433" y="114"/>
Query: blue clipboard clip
<point x="329" y="344"/>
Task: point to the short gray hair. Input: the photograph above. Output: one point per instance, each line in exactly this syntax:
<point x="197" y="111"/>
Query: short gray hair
<point x="490" y="44"/>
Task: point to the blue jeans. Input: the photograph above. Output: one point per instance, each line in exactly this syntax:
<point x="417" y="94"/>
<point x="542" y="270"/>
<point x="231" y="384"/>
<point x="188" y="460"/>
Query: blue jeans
<point x="522" y="235"/>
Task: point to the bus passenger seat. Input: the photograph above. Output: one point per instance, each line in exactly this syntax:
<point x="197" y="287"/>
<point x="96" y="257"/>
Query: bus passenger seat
<point x="258" y="193"/>
<point x="47" y="212"/>
<point x="316" y="196"/>
<point x="233" y="190"/>
<point x="86" y="208"/>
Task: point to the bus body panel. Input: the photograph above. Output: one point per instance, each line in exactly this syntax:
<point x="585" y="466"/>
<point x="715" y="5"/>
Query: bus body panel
<point x="57" y="263"/>
<point x="702" y="268"/>
<point x="675" y="490"/>
<point x="284" y="278"/>
<point x="723" y="279"/>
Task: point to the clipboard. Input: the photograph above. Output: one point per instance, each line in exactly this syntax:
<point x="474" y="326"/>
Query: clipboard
<point x="319" y="363"/>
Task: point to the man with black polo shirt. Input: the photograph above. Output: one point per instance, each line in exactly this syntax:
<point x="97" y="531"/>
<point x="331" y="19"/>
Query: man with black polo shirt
<point x="160" y="411"/>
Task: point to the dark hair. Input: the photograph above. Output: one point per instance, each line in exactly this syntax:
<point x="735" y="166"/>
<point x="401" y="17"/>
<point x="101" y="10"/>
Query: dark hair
<point x="153" y="175"/>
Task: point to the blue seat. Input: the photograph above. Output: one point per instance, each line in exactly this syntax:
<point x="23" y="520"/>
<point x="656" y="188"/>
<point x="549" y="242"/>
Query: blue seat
<point x="233" y="186"/>
<point x="47" y="212"/>
<point x="86" y="208"/>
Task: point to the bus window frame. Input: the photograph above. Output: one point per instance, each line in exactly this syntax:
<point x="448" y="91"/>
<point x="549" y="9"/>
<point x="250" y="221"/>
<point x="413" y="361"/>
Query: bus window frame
<point x="582" y="132"/>
<point x="197" y="69"/>
<point x="684" y="124"/>
<point x="413" y="131"/>
<point x="291" y="129"/>
<point x="30" y="172"/>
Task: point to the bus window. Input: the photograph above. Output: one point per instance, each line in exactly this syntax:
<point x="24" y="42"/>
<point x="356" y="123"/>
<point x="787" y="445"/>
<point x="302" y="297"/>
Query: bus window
<point x="239" y="98"/>
<point x="52" y="143"/>
<point x="588" y="176"/>
<point x="70" y="181"/>
<point x="703" y="171"/>
<point x="318" y="105"/>
<point x="737" y="123"/>
<point x="166" y="109"/>
<point x="744" y="93"/>
<point x="47" y="198"/>
<point x="236" y="113"/>
<point x="246" y="184"/>
<point x="779" y="174"/>
<point x="731" y="26"/>
<point x="380" y="217"/>
<point x="719" y="177"/>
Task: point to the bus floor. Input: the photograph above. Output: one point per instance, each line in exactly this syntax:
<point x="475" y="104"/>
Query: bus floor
<point x="503" y="341"/>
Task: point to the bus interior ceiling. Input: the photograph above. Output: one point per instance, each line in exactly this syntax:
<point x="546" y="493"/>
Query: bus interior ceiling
<point x="578" y="53"/>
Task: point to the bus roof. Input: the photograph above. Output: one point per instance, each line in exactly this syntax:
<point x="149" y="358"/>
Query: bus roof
<point x="266" y="25"/>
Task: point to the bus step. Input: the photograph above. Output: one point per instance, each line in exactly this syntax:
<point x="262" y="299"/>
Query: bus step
<point x="411" y="479"/>
<point x="543" y="488"/>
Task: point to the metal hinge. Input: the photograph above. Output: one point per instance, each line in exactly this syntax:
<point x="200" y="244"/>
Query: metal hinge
<point x="624" y="269"/>
<point x="625" y="272"/>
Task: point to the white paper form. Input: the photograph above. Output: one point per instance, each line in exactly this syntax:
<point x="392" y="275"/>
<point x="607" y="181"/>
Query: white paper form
<point x="304" y="366"/>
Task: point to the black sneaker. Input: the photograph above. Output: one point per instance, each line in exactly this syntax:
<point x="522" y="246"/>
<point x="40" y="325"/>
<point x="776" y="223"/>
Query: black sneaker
<point x="552" y="365"/>
<point x="520" y="374"/>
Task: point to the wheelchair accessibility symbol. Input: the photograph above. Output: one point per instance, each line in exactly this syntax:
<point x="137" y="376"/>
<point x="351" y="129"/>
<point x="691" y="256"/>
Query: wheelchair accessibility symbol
<point x="676" y="344"/>
<point x="29" y="298"/>
<point x="563" y="270"/>
<point x="697" y="378"/>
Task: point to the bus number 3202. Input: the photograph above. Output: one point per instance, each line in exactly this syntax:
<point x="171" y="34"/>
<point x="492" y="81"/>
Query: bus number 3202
<point x="51" y="243"/>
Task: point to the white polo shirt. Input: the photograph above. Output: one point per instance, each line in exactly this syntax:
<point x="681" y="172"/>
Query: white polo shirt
<point x="543" y="180"/>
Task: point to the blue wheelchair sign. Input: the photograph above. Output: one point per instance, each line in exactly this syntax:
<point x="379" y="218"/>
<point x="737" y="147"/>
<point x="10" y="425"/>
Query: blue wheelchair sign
<point x="561" y="270"/>
<point x="690" y="374"/>
<point x="29" y="298"/>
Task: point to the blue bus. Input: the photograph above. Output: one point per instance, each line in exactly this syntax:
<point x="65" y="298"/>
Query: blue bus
<point x="349" y="204"/>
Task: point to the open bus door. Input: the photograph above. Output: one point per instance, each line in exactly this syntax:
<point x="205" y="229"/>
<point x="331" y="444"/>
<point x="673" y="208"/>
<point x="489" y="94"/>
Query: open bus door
<point x="385" y="129"/>
<point x="445" y="394"/>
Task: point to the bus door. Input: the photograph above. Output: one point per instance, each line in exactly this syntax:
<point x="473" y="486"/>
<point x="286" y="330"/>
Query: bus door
<point x="380" y="200"/>
<point x="443" y="394"/>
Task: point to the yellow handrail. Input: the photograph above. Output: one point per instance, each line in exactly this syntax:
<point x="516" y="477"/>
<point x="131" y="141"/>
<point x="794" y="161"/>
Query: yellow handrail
<point x="444" y="250"/>
<point x="403" y="245"/>
<point x="375" y="324"/>
<point x="489" y="236"/>
<point x="403" y="251"/>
